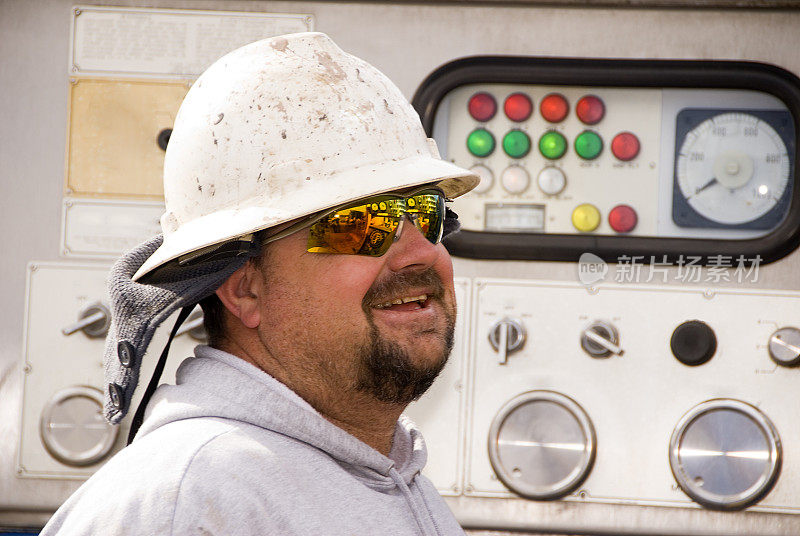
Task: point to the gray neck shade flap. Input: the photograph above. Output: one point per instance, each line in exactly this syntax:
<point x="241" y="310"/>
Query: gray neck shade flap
<point x="137" y="309"/>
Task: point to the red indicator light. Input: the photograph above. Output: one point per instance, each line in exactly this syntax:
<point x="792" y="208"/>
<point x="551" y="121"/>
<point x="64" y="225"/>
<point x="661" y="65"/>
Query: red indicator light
<point x="625" y="146"/>
<point x="590" y="110"/>
<point x="518" y="107"/>
<point x="554" y="107"/>
<point x="482" y="106"/>
<point x="622" y="218"/>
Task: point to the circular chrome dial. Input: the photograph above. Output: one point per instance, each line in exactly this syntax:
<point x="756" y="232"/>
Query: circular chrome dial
<point x="725" y="454"/>
<point x="733" y="168"/>
<point x="542" y="445"/>
<point x="73" y="429"/>
<point x="784" y="347"/>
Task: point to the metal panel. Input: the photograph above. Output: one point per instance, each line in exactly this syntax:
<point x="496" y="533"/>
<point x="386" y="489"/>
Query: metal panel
<point x="407" y="41"/>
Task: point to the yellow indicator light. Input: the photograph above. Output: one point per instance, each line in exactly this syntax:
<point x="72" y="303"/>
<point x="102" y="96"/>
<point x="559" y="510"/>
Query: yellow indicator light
<point x="586" y="218"/>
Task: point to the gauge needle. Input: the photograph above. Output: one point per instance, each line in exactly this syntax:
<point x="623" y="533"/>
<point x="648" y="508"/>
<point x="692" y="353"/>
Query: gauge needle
<point x="710" y="183"/>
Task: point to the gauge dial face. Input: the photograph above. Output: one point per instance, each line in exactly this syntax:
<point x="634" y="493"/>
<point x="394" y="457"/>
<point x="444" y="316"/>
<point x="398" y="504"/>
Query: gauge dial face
<point x="733" y="168"/>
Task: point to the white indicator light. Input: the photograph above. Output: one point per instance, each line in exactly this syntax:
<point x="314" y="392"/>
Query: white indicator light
<point x="763" y="190"/>
<point x="515" y="180"/>
<point x="551" y="180"/>
<point x="487" y="179"/>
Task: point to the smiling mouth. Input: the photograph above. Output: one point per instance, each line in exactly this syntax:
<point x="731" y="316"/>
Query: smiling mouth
<point x="405" y="303"/>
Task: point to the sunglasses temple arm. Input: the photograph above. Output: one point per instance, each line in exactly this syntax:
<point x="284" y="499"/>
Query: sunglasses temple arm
<point x="399" y="229"/>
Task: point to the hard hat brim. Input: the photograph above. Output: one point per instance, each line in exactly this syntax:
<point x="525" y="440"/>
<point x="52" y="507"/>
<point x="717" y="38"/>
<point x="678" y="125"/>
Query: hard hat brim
<point x="363" y="181"/>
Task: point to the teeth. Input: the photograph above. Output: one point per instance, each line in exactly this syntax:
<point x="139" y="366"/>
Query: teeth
<point x="421" y="298"/>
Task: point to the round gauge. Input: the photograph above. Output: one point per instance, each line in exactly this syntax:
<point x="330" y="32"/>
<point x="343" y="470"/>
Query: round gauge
<point x="732" y="168"/>
<point x="542" y="445"/>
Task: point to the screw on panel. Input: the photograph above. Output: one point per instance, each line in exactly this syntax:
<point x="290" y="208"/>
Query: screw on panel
<point x="709" y="294"/>
<point x="27" y="369"/>
<point x="66" y="251"/>
<point x="73" y="81"/>
<point x="34" y="267"/>
<point x="77" y="12"/>
<point x="309" y="20"/>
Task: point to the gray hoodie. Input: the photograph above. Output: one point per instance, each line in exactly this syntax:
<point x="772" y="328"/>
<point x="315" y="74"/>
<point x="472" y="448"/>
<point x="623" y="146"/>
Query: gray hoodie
<point x="230" y="451"/>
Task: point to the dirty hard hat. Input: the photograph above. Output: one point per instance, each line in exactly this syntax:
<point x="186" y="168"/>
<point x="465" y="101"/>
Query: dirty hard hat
<point x="283" y="128"/>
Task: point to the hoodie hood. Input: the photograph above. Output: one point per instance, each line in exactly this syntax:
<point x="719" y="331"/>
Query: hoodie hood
<point x="242" y="392"/>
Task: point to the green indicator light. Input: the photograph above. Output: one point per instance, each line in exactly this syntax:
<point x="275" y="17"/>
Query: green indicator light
<point x="553" y="145"/>
<point x="588" y="145"/>
<point x="480" y="142"/>
<point x="516" y="144"/>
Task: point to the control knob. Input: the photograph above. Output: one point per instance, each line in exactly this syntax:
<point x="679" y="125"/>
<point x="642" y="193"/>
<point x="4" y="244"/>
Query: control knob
<point x="784" y="347"/>
<point x="194" y="326"/>
<point x="94" y="320"/>
<point x="506" y="337"/>
<point x="601" y="339"/>
<point x="725" y="454"/>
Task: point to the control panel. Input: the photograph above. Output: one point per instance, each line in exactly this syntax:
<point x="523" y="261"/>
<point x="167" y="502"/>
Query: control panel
<point x="63" y="431"/>
<point x="64" y="434"/>
<point x="619" y="157"/>
<point x="575" y="162"/>
<point x="694" y="405"/>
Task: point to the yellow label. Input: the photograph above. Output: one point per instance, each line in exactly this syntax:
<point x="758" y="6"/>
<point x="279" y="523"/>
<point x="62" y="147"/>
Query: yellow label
<point x="114" y="126"/>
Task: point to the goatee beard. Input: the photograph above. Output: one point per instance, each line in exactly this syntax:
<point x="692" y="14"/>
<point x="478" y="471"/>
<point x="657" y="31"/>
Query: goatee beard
<point x="386" y="370"/>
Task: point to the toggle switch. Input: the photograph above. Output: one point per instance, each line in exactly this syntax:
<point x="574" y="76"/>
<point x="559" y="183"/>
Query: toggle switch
<point x="506" y="337"/>
<point x="194" y="326"/>
<point x="94" y="320"/>
<point x="601" y="339"/>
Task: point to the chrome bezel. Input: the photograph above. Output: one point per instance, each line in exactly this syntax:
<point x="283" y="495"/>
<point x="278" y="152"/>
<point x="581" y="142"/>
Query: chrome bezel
<point x="579" y="472"/>
<point x="735" y="501"/>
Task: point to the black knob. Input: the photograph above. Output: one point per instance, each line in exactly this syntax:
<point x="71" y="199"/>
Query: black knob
<point x="693" y="343"/>
<point x="163" y="138"/>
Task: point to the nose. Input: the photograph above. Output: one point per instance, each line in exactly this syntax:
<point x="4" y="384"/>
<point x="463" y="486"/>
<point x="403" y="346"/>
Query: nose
<point x="412" y="250"/>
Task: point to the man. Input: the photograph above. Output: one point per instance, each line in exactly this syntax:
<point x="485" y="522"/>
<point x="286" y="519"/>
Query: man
<point x="305" y="208"/>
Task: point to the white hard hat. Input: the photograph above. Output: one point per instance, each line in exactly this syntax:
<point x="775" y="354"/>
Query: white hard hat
<point x="283" y="128"/>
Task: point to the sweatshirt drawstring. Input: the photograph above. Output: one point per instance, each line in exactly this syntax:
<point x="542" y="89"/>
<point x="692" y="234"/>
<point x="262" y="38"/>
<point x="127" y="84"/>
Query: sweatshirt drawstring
<point x="424" y="523"/>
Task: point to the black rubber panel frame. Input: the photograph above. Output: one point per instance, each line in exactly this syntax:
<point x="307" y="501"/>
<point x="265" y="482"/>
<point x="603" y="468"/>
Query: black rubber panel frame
<point x="617" y="73"/>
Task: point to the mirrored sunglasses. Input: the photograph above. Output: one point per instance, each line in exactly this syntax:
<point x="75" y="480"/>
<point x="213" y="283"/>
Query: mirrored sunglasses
<point x="369" y="226"/>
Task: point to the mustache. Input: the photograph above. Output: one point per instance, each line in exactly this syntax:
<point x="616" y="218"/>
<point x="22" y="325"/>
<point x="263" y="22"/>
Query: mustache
<point x="400" y="283"/>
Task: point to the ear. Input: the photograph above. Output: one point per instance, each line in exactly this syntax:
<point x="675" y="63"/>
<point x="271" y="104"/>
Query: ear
<point x="240" y="294"/>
